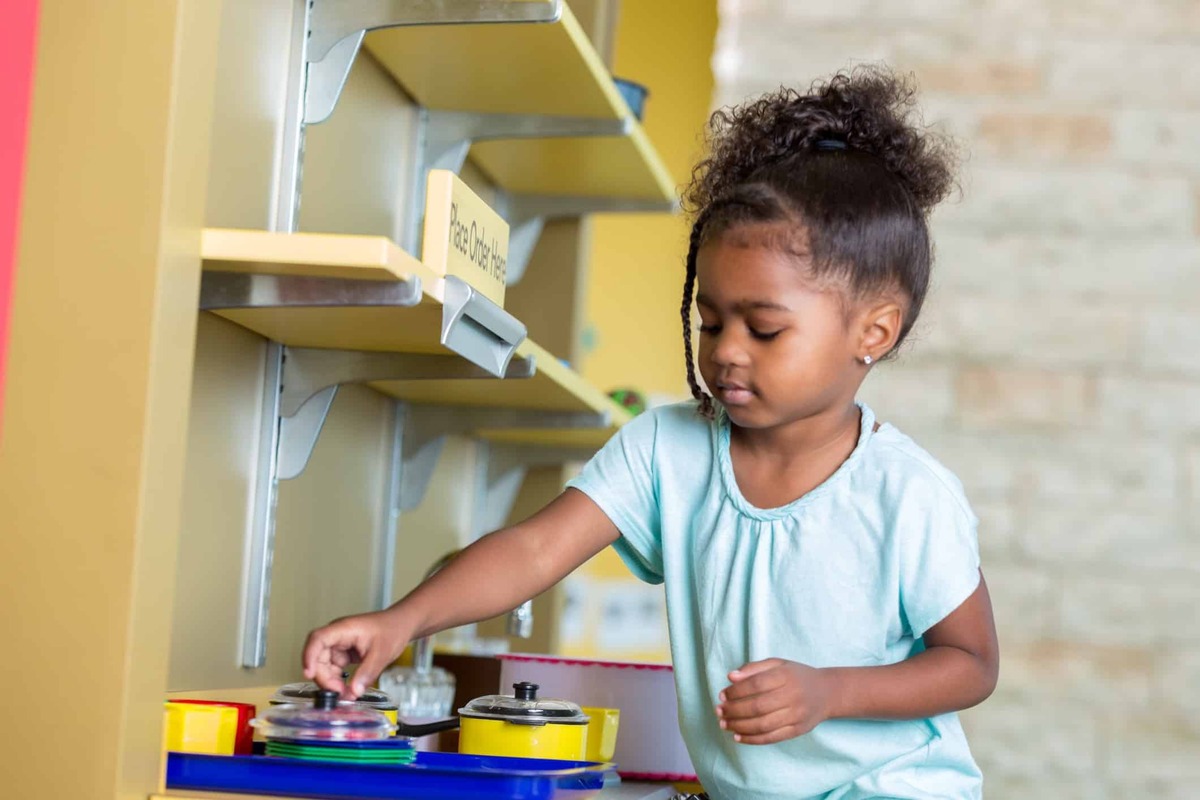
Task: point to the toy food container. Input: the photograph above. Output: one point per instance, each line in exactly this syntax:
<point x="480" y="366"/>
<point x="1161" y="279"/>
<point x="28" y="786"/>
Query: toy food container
<point x="326" y="719"/>
<point x="304" y="693"/>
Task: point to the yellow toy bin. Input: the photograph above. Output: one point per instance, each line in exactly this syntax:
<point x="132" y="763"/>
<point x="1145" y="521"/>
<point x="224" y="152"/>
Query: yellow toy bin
<point x="189" y="728"/>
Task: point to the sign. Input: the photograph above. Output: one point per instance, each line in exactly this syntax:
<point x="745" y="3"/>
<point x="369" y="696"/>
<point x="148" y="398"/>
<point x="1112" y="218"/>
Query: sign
<point x="18" y="32"/>
<point x="464" y="237"/>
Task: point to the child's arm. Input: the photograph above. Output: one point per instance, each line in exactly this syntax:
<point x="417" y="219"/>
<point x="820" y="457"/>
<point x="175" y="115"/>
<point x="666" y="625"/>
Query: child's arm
<point x="492" y="576"/>
<point x="773" y="700"/>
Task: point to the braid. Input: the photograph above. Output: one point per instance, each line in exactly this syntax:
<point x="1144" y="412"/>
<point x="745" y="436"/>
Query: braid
<point x="706" y="402"/>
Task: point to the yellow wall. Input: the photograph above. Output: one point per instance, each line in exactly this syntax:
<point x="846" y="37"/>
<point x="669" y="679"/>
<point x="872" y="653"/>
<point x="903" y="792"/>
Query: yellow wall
<point x="636" y="266"/>
<point x="635" y="272"/>
<point x="91" y="465"/>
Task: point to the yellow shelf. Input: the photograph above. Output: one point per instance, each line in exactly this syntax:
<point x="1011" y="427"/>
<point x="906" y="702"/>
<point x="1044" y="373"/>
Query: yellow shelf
<point x="554" y="387"/>
<point x="415" y="329"/>
<point x="316" y="255"/>
<point x="402" y="330"/>
<point x="534" y="68"/>
<point x="604" y="166"/>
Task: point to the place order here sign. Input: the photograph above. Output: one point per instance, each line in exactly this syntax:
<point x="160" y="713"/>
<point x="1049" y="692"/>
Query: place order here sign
<point x="17" y="38"/>
<point x="463" y="236"/>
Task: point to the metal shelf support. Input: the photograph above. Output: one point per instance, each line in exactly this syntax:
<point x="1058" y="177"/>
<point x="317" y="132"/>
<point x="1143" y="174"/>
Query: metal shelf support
<point x="450" y="134"/>
<point x="299" y="387"/>
<point x="507" y="465"/>
<point x="418" y="438"/>
<point x="326" y="38"/>
<point x="334" y="22"/>
<point x="527" y="214"/>
<point x="446" y="138"/>
<point x="229" y="290"/>
<point x="426" y="429"/>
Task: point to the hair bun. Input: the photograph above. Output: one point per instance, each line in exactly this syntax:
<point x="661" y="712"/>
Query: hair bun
<point x="869" y="109"/>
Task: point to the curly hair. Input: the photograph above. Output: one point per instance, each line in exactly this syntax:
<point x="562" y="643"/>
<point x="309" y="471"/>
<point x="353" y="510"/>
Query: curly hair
<point x="849" y="170"/>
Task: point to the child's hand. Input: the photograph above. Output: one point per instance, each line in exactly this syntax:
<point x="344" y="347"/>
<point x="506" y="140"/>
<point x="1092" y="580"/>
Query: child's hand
<point x="373" y="640"/>
<point x="769" y="701"/>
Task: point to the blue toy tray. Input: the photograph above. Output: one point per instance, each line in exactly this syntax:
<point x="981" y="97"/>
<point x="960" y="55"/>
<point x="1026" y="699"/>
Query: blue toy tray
<point x="433" y="776"/>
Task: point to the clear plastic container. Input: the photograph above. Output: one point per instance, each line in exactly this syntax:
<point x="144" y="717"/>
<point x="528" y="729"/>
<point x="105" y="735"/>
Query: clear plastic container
<point x="419" y="694"/>
<point x="325" y="719"/>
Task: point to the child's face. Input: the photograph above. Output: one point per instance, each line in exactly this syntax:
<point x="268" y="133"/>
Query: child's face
<point x="775" y="346"/>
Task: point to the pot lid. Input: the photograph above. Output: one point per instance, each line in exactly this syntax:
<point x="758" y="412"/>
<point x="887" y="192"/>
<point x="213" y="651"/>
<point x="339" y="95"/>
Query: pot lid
<point x="525" y="708"/>
<point x="305" y="692"/>
<point x="325" y="718"/>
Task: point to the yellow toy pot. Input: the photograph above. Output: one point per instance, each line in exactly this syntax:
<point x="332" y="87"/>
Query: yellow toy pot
<point x="523" y="726"/>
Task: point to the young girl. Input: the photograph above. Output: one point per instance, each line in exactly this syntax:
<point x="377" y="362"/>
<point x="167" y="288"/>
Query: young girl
<point x="826" y="608"/>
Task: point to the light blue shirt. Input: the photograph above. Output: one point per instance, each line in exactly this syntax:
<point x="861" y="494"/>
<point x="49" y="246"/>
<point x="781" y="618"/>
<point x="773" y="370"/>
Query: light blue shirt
<point x="851" y="574"/>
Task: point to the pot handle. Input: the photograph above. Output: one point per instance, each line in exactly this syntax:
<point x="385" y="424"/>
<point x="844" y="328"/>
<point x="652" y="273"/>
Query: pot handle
<point x="410" y="731"/>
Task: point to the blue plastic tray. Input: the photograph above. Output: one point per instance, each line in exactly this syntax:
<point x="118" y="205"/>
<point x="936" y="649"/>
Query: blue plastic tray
<point x="434" y="776"/>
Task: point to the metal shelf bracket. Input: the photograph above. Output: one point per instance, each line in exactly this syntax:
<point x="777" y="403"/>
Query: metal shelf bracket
<point x="426" y="429"/>
<point x="326" y="38"/>
<point x="450" y="134"/>
<point x="527" y="214"/>
<point x="336" y="29"/>
<point x="420" y="433"/>
<point x="446" y="138"/>
<point x="229" y="290"/>
<point x="298" y="391"/>
<point x="507" y="465"/>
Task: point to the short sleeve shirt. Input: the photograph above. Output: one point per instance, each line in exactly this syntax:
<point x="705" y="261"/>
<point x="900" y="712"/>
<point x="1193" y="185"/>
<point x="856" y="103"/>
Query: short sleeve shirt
<point x="850" y="574"/>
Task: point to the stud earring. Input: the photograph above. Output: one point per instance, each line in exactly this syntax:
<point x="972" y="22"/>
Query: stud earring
<point x="867" y="360"/>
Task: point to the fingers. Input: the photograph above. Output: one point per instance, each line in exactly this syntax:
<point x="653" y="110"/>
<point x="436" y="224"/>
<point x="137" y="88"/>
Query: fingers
<point x="752" y="679"/>
<point x="777" y="735"/>
<point x="755" y="706"/>
<point x="326" y="654"/>
<point x="770" y="701"/>
<point x="754" y="668"/>
<point x="365" y="639"/>
<point x="375" y="661"/>
<point x="328" y="675"/>
<point x="757" y="725"/>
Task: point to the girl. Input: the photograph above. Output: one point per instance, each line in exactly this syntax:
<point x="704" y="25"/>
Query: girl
<point x="826" y="608"/>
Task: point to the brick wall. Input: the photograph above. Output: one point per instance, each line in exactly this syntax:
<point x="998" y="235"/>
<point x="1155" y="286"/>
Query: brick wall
<point x="1057" y="366"/>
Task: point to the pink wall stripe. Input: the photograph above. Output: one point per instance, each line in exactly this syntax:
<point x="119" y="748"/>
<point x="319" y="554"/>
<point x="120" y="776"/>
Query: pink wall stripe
<point x="18" y="34"/>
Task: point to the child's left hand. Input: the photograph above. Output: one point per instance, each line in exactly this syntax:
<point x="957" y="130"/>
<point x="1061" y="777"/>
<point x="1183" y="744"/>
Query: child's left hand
<point x="773" y="700"/>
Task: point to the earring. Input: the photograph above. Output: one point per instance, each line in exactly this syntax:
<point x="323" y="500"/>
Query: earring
<point x="867" y="360"/>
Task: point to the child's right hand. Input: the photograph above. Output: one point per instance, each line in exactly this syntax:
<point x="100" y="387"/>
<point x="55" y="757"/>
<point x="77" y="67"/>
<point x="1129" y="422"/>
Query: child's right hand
<point x="371" y="640"/>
